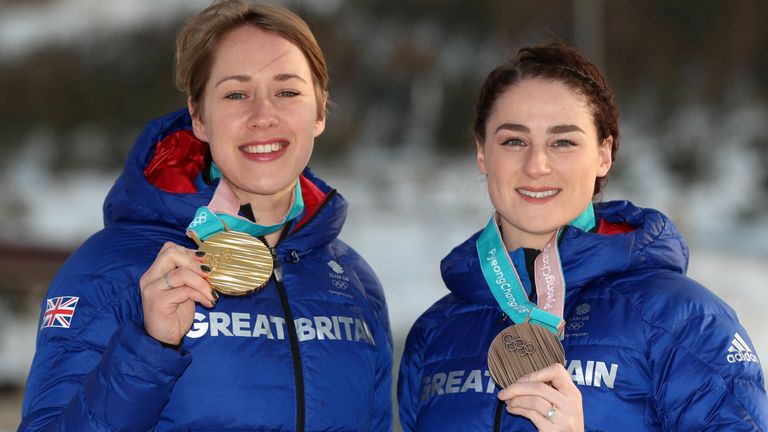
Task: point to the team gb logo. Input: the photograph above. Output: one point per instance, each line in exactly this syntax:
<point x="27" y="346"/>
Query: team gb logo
<point x="335" y="267"/>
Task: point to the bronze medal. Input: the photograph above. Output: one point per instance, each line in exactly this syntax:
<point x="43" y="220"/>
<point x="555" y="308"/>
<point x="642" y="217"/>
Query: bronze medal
<point x="521" y="349"/>
<point x="240" y="263"/>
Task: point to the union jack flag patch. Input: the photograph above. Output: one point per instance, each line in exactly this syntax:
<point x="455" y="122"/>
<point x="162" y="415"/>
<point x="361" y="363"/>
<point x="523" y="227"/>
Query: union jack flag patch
<point x="59" y="311"/>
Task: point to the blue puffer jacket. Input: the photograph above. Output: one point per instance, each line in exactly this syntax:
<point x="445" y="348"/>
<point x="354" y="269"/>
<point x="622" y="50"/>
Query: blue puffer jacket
<point x="648" y="348"/>
<point x="311" y="351"/>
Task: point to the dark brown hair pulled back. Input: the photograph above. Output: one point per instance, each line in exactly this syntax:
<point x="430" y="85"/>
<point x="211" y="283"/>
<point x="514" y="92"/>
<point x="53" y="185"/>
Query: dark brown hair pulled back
<point x="558" y="62"/>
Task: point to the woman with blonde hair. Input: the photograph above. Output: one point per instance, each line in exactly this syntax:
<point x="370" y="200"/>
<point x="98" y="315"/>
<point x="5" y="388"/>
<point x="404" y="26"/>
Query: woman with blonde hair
<point x="218" y="296"/>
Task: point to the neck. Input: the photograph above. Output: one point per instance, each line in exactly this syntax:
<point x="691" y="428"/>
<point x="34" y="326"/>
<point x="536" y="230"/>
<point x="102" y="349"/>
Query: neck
<point x="269" y="209"/>
<point x="514" y="238"/>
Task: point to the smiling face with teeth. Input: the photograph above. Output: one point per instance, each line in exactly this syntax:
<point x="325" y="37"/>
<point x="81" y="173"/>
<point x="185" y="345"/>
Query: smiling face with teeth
<point x="260" y="116"/>
<point x="541" y="155"/>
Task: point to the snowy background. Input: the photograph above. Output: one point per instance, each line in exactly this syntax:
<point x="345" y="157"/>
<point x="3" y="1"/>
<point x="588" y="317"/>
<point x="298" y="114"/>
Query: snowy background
<point x="411" y="181"/>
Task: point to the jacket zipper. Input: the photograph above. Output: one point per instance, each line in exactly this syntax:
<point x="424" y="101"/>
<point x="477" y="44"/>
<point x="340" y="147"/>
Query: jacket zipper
<point x="298" y="369"/>
<point x="497" y="417"/>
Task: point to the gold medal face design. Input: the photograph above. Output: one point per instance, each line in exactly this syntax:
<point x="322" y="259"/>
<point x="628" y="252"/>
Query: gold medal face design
<point x="239" y="263"/>
<point x="521" y="349"/>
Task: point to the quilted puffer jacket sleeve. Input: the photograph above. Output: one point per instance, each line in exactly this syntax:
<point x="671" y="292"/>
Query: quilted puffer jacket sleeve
<point x="409" y="380"/>
<point x="707" y="376"/>
<point x="104" y="372"/>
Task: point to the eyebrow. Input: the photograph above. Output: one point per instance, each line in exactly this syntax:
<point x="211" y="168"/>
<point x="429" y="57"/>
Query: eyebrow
<point x="565" y="129"/>
<point x="559" y="129"/>
<point x="288" y="76"/>
<point x="245" y="78"/>
<point x="512" y="127"/>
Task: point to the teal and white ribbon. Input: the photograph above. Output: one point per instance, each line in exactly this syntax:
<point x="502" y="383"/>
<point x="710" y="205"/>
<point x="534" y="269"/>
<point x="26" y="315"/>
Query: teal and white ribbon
<point x="221" y="214"/>
<point x="504" y="282"/>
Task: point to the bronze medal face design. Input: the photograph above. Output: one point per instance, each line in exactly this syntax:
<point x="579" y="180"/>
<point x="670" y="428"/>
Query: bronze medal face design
<point x="240" y="263"/>
<point x="521" y="349"/>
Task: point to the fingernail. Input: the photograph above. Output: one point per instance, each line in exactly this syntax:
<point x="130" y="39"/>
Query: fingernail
<point x="200" y="254"/>
<point x="215" y="295"/>
<point x="205" y="268"/>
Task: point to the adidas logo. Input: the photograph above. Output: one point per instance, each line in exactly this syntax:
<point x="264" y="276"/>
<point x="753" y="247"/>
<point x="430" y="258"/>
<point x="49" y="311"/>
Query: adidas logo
<point x="739" y="351"/>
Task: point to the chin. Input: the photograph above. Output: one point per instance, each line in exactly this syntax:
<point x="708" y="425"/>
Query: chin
<point x="268" y="189"/>
<point x="541" y="229"/>
<point x="266" y="185"/>
<point x="541" y="226"/>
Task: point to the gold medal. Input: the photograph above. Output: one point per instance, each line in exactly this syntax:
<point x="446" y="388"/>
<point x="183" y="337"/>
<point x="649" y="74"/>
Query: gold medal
<point x="240" y="263"/>
<point x="521" y="349"/>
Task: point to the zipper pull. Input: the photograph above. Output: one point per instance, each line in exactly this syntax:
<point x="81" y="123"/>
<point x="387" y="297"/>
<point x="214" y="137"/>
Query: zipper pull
<point x="277" y="269"/>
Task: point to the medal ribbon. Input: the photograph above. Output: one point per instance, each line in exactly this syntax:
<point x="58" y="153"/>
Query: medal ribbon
<point x="223" y="210"/>
<point x="505" y="285"/>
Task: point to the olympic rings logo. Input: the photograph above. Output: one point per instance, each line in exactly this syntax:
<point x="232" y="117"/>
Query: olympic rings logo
<point x="199" y="220"/>
<point x="342" y="285"/>
<point x="518" y="345"/>
<point x="575" y="325"/>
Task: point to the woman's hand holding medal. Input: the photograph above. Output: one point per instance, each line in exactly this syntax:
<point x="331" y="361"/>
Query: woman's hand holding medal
<point x="171" y="286"/>
<point x="547" y="397"/>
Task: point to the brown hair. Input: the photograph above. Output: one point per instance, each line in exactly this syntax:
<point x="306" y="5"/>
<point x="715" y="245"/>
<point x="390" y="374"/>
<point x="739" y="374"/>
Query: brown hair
<point x="559" y="62"/>
<point x="197" y="40"/>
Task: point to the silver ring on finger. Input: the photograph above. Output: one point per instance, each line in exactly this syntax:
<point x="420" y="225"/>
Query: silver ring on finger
<point x="551" y="414"/>
<point x="167" y="282"/>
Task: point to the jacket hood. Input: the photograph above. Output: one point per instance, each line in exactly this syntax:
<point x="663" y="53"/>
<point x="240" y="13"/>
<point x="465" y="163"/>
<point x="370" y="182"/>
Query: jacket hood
<point x="649" y="240"/>
<point x="160" y="185"/>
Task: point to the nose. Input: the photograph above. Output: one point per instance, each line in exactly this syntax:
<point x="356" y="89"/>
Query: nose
<point x="262" y="114"/>
<point x="536" y="162"/>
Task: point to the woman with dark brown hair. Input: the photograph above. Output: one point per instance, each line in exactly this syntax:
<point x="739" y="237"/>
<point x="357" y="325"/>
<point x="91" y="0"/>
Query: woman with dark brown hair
<point x="218" y="296"/>
<point x="564" y="315"/>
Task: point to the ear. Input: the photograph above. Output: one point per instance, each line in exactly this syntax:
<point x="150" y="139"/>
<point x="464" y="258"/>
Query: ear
<point x="606" y="149"/>
<point x="198" y="128"/>
<point x="320" y="121"/>
<point x="319" y="126"/>
<point x="480" y="157"/>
